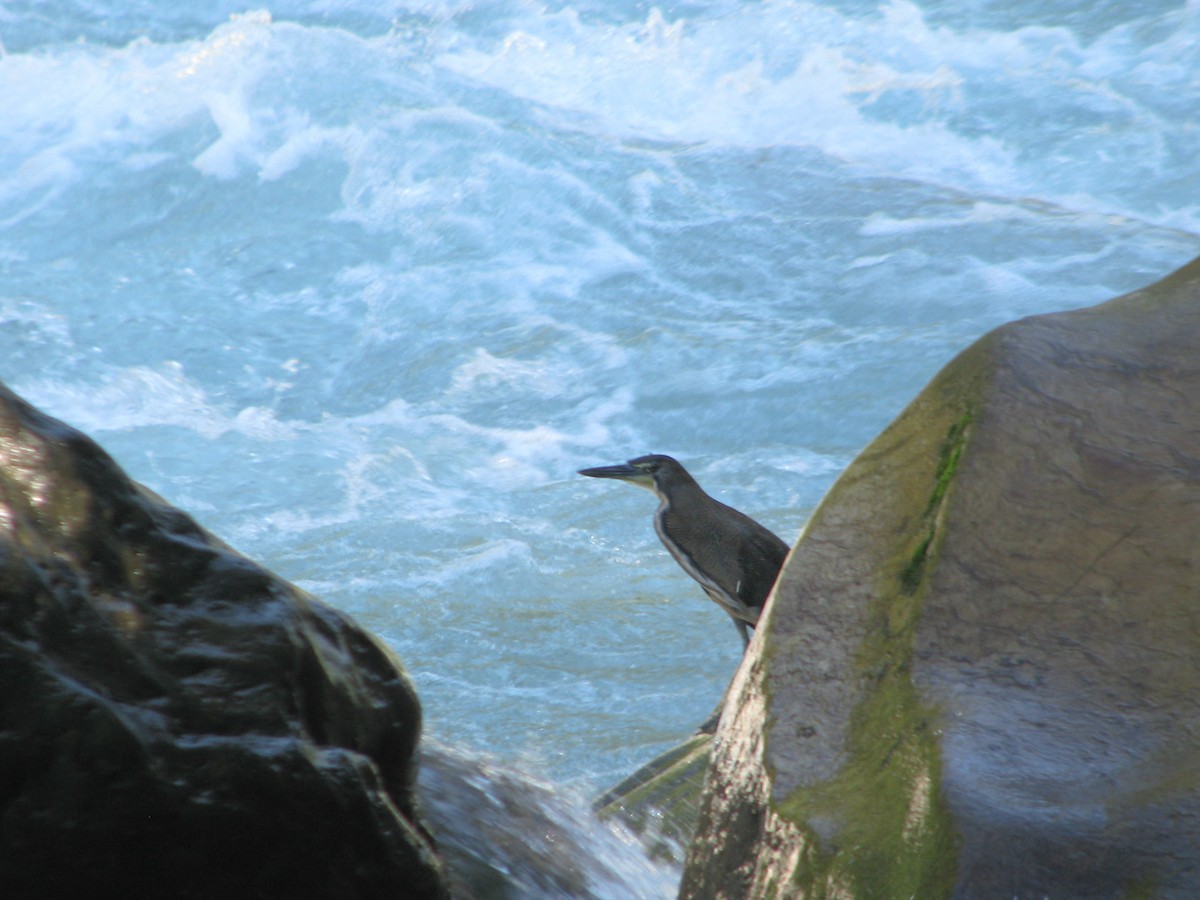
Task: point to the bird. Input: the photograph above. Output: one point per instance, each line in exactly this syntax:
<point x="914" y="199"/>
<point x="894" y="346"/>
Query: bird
<point x="735" y="559"/>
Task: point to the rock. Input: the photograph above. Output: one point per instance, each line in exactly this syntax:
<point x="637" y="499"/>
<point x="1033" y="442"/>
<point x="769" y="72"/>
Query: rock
<point x="661" y="800"/>
<point x="505" y="835"/>
<point x="978" y="677"/>
<point x="175" y="721"/>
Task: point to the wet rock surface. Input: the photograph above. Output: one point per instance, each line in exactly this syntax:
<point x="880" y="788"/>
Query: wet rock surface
<point x="661" y="800"/>
<point x="978" y="677"/>
<point x="175" y="721"/>
<point x="505" y="835"/>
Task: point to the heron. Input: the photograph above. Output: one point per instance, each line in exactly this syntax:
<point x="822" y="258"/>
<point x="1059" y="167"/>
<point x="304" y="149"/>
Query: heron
<point x="735" y="559"/>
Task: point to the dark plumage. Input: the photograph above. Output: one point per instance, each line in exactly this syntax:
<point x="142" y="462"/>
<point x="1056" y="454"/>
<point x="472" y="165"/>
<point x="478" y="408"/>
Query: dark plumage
<point x="735" y="559"/>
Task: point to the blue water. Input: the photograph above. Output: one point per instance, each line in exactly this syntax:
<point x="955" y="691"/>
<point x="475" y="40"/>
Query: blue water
<point x="360" y="284"/>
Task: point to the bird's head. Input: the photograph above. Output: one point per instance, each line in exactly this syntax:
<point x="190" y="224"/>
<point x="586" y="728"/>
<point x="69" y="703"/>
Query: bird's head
<point x="654" y="472"/>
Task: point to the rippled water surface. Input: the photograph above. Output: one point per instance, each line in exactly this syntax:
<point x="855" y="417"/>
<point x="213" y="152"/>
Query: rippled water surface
<point x="362" y="284"/>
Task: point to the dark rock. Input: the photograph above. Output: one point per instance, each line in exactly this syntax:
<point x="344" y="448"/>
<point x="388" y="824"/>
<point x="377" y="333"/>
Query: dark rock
<point x="175" y="721"/>
<point x="978" y="677"/>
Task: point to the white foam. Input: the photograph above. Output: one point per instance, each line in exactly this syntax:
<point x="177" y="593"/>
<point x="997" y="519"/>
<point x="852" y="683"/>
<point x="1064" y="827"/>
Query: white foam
<point x="238" y="135"/>
<point x="141" y="396"/>
<point x="485" y="369"/>
<point x="980" y="213"/>
<point x="119" y="100"/>
<point x="470" y="562"/>
<point x="887" y="90"/>
<point x="303" y="142"/>
<point x="788" y="73"/>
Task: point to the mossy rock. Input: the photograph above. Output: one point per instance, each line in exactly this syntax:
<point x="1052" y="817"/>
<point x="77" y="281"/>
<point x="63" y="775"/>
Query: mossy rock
<point x="978" y="674"/>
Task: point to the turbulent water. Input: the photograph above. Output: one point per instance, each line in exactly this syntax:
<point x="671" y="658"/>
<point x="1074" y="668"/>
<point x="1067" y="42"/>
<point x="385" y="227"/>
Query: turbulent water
<point x="361" y="284"/>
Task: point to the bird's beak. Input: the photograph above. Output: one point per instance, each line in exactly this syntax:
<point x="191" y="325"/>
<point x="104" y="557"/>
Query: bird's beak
<point x="623" y="473"/>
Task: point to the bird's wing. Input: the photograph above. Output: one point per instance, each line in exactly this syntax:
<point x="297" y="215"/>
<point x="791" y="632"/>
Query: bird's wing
<point x="760" y="556"/>
<point x="703" y="554"/>
<point x="725" y="551"/>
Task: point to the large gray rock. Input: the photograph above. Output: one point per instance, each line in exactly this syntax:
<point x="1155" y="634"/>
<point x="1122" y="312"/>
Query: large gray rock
<point x="979" y="675"/>
<point x="175" y="721"/>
